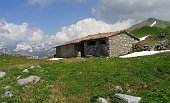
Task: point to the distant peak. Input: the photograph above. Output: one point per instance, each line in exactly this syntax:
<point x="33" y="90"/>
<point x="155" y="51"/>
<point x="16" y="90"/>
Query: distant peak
<point x="152" y="19"/>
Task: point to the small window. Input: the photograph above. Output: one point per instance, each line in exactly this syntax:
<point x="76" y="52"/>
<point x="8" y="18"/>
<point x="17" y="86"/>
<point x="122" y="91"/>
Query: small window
<point x="102" y="42"/>
<point x="91" y="43"/>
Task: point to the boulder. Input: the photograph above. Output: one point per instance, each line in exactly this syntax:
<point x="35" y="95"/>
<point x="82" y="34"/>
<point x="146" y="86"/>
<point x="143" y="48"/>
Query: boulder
<point x="102" y="100"/>
<point x="128" y="98"/>
<point x="118" y="88"/>
<point x="2" y="74"/>
<point x="33" y="79"/>
<point x="162" y="45"/>
<point x="8" y="94"/>
<point x="25" y="71"/>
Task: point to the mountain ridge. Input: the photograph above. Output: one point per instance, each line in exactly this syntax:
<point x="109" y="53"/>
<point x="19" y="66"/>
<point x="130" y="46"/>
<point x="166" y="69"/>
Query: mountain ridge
<point x="149" y="22"/>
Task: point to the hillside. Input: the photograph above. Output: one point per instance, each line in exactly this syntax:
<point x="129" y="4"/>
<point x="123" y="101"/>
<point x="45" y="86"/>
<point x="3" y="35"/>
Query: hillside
<point x="150" y="22"/>
<point x="153" y="31"/>
<point x="81" y="80"/>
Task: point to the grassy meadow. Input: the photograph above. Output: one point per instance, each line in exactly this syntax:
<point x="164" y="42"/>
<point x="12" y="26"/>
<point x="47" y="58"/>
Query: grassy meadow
<point x="82" y="80"/>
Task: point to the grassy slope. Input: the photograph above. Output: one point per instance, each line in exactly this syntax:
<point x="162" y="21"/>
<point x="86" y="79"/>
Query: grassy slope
<point x="76" y="81"/>
<point x="148" y="22"/>
<point x="154" y="32"/>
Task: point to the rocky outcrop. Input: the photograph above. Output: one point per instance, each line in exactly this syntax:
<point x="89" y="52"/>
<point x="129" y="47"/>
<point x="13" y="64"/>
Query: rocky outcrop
<point x="160" y="45"/>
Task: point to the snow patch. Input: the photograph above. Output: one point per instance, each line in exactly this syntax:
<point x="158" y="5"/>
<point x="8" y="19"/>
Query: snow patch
<point x="153" y="24"/>
<point x="56" y="58"/>
<point x="143" y="53"/>
<point x="143" y="38"/>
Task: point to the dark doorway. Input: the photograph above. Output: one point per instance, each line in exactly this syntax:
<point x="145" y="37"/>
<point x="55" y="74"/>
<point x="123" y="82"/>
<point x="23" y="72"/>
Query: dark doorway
<point x="80" y="49"/>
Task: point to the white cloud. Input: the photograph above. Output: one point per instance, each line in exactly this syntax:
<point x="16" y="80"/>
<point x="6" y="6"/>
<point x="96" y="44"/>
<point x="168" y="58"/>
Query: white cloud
<point x="37" y="36"/>
<point x="89" y="26"/>
<point x="31" y="39"/>
<point x="40" y="2"/>
<point x="24" y="47"/>
<point x="113" y="10"/>
<point x="22" y="32"/>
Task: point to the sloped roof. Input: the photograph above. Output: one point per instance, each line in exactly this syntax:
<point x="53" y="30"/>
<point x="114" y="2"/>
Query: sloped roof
<point x="96" y="36"/>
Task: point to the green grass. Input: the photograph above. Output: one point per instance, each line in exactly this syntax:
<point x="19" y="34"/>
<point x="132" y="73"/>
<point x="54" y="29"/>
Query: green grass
<point x="154" y="35"/>
<point x="76" y="81"/>
<point x="153" y="31"/>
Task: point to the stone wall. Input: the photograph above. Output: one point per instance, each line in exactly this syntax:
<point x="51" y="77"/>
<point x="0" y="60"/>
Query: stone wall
<point x="120" y="45"/>
<point x="99" y="49"/>
<point x="66" y="51"/>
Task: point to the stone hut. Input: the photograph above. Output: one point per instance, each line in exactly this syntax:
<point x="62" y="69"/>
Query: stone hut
<point x="112" y="44"/>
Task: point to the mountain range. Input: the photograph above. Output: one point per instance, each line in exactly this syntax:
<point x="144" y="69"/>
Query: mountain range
<point x="47" y="48"/>
<point x="151" y="22"/>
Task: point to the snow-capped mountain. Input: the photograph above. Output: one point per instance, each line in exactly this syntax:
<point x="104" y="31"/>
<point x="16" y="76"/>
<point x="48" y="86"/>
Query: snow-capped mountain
<point x="152" y="22"/>
<point x="36" y="49"/>
<point x="40" y="50"/>
<point x="14" y="39"/>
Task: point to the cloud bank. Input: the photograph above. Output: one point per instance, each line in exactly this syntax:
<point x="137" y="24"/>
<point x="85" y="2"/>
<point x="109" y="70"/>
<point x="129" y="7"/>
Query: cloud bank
<point x="22" y="32"/>
<point x="113" y="10"/>
<point x="31" y="39"/>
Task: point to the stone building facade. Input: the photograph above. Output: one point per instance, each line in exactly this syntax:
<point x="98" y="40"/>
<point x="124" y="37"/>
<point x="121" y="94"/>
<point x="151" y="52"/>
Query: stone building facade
<point x="112" y="44"/>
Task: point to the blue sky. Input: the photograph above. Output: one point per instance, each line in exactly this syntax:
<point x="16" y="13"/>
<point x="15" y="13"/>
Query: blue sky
<point x="51" y="15"/>
<point x="50" y="18"/>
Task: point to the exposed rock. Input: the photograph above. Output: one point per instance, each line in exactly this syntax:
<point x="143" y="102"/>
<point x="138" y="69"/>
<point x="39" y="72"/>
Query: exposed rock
<point x="162" y="45"/>
<point x="102" y="100"/>
<point x="38" y="66"/>
<point x="7" y="87"/>
<point x="84" y="60"/>
<point x="8" y="94"/>
<point x="32" y="67"/>
<point x="25" y="71"/>
<point x="29" y="79"/>
<point x="128" y="98"/>
<point x="162" y="35"/>
<point x="129" y="90"/>
<point x="118" y="89"/>
<point x="19" y="77"/>
<point x="2" y="74"/>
